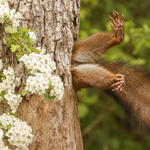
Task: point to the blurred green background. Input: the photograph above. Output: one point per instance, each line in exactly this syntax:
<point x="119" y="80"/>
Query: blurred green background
<point x="104" y="123"/>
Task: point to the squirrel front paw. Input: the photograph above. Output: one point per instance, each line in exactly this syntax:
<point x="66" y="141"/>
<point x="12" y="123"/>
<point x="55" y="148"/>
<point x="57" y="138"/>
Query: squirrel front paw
<point x="119" y="82"/>
<point x="118" y="26"/>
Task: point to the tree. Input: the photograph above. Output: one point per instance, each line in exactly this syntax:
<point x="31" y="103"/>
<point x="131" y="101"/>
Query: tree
<point x="55" y="124"/>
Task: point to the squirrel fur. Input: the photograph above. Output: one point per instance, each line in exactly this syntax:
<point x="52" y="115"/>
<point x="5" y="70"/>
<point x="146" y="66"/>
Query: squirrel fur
<point x="130" y="88"/>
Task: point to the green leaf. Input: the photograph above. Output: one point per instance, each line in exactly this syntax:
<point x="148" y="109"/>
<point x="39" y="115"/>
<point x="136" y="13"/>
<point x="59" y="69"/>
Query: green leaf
<point x="10" y="29"/>
<point x="50" y="85"/>
<point x="22" y="35"/>
<point x="20" y="52"/>
<point x="15" y="36"/>
<point x="29" y="71"/>
<point x="47" y="96"/>
<point x="29" y="48"/>
<point x="9" y="126"/>
<point x="1" y="126"/>
<point x="5" y="138"/>
<point x="9" y="41"/>
<point x="28" y="40"/>
<point x="52" y="97"/>
<point x="36" y="51"/>
<point x="3" y="94"/>
<point x="14" y="47"/>
<point x="24" y="29"/>
<point x="14" y="114"/>
<point x="24" y="92"/>
<point x="1" y="78"/>
<point x="18" y="56"/>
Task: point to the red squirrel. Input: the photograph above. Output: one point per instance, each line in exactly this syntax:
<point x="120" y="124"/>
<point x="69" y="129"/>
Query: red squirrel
<point x="86" y="72"/>
<point x="130" y="88"/>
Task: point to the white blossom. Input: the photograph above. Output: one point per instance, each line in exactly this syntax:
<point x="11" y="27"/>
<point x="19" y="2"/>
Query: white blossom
<point x="13" y="100"/>
<point x="42" y="67"/>
<point x="38" y="62"/>
<point x="2" y="146"/>
<point x="8" y="85"/>
<point x="1" y="134"/>
<point x="37" y="84"/>
<point x="32" y="36"/>
<point x="17" y="82"/>
<point x="7" y="119"/>
<point x="9" y="72"/>
<point x="58" y="88"/>
<point x="15" y="23"/>
<point x="9" y="96"/>
<point x="9" y="82"/>
<point x="5" y="12"/>
<point x="19" y="134"/>
<point x="15" y="17"/>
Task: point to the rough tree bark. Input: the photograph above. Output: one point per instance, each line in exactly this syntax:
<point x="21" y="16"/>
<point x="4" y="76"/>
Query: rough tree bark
<point x="55" y="124"/>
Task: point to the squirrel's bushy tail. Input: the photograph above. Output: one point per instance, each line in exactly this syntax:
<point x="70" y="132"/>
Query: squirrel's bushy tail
<point x="135" y="96"/>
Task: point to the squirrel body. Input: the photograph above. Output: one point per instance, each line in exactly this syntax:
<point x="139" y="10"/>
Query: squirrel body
<point x="85" y="55"/>
<point x="130" y="87"/>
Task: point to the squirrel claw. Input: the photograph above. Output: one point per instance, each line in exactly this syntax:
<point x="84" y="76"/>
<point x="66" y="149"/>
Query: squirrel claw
<point x="119" y="82"/>
<point x="118" y="25"/>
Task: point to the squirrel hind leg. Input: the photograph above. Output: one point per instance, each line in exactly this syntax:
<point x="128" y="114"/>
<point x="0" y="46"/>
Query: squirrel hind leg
<point x="93" y="75"/>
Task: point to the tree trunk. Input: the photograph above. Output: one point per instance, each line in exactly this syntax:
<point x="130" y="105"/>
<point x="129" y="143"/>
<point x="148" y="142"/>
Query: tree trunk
<point x="56" y="22"/>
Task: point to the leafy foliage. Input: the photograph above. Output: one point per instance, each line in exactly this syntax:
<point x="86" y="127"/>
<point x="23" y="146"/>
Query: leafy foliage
<point x="20" y="40"/>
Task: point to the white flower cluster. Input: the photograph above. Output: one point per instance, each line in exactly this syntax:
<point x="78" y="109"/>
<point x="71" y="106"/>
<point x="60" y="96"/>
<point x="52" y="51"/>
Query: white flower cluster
<point x="1" y="134"/>
<point x="58" y="88"/>
<point x="8" y="84"/>
<point x="15" y="17"/>
<point x="9" y="81"/>
<point x="2" y="146"/>
<point x="32" y="36"/>
<point x="7" y="119"/>
<point x="13" y="100"/>
<point x="5" y="13"/>
<point x="4" y="10"/>
<point x="19" y="134"/>
<point x="41" y="67"/>
<point x="37" y="84"/>
<point x="38" y="63"/>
